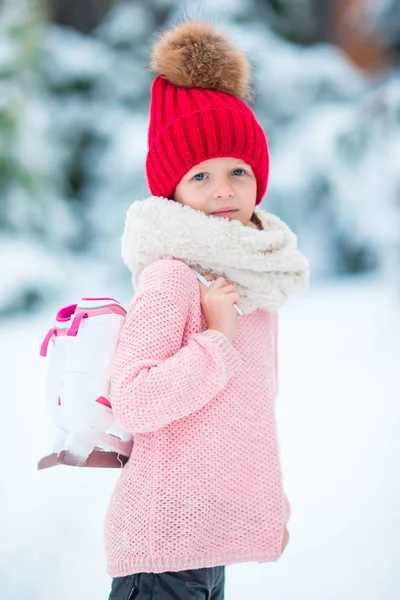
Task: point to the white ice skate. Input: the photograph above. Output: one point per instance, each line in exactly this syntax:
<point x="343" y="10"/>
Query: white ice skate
<point x="80" y="349"/>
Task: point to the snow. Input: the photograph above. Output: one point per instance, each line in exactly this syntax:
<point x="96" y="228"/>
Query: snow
<point x="338" y="418"/>
<point x="384" y="17"/>
<point x="126" y="26"/>
<point x="334" y="140"/>
<point x="34" y="274"/>
<point x="71" y="56"/>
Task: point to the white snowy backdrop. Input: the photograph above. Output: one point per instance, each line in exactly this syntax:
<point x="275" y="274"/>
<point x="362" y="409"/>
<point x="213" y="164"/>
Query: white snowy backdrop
<point x="73" y="125"/>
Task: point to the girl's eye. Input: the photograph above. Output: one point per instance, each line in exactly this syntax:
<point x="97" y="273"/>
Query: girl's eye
<point x="202" y="176"/>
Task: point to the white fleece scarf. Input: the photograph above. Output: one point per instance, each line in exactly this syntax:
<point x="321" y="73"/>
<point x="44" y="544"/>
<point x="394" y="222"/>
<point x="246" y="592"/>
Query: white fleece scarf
<point x="265" y="266"/>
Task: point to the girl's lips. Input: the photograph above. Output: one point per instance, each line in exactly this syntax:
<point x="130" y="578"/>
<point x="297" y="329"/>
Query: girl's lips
<point x="225" y="213"/>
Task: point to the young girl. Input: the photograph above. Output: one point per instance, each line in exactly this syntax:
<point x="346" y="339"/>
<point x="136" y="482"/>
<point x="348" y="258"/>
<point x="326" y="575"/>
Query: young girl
<point x="195" y="380"/>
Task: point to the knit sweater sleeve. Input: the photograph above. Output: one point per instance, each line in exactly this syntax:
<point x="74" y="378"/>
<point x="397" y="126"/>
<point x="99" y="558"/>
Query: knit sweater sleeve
<point x="156" y="380"/>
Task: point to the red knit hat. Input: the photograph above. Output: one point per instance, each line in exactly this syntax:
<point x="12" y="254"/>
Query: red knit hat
<point x="197" y="111"/>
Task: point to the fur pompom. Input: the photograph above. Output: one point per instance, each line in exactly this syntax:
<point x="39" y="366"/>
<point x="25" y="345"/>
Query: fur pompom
<point x="195" y="55"/>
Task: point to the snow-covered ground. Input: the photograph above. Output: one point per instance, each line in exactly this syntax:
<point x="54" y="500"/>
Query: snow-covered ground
<point x="337" y="417"/>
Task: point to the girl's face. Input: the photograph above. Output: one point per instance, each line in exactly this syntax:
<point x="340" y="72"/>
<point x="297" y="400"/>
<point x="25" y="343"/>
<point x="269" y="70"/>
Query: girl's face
<point x="219" y="183"/>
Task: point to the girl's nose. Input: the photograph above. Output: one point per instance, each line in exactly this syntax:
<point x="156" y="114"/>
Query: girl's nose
<point x="224" y="191"/>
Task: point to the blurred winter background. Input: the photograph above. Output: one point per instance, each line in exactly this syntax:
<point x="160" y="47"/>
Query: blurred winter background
<point x="74" y="93"/>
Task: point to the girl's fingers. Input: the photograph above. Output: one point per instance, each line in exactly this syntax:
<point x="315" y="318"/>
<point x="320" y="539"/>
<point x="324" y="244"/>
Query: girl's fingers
<point x="210" y="277"/>
<point x="228" y="289"/>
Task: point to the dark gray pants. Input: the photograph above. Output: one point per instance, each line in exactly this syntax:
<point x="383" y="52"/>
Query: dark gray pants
<point x="194" y="584"/>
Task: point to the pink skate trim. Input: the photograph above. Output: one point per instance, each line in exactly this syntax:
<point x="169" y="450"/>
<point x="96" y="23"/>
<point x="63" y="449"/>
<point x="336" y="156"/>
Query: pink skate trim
<point x="102" y="310"/>
<point x="65" y="313"/>
<point x="45" y="343"/>
<point x="104" y="401"/>
<point x="89" y="298"/>
<point x="59" y="401"/>
<point x="74" y="328"/>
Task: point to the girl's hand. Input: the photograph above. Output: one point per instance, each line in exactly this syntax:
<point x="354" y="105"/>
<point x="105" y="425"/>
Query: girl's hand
<point x="217" y="302"/>
<point x="285" y="539"/>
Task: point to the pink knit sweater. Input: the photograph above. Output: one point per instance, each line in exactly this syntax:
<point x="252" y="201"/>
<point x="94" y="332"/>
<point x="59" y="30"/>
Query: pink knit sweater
<point x="203" y="486"/>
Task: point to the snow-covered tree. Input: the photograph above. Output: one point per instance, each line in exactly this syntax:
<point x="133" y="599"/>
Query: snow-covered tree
<point x="30" y="188"/>
<point x="34" y="217"/>
<point x="384" y="18"/>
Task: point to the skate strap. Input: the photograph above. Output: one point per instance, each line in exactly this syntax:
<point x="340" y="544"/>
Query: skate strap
<point x="74" y="328"/>
<point x="45" y="343"/>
